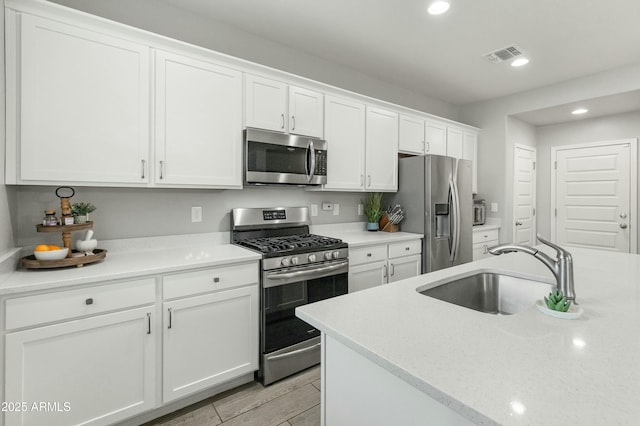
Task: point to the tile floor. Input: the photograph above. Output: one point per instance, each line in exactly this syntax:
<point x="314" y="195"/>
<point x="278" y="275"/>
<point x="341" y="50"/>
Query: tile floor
<point x="294" y="401"/>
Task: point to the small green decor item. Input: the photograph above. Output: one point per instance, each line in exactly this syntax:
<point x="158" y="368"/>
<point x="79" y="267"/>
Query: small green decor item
<point x="373" y="210"/>
<point x="80" y="211"/>
<point x="557" y="302"/>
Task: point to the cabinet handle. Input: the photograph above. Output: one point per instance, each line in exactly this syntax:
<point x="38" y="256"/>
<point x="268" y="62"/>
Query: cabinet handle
<point x="485" y="249"/>
<point x="170" y="318"/>
<point x="427" y="147"/>
<point x="369" y="180"/>
<point x="282" y="125"/>
<point x="216" y="279"/>
<point x="89" y="301"/>
<point x="148" y="322"/>
<point x="293" y="122"/>
<point x="361" y="180"/>
<point x="384" y="271"/>
<point x="368" y="254"/>
<point x="143" y="163"/>
<point x="407" y="248"/>
<point x="161" y="169"/>
<point x="393" y="269"/>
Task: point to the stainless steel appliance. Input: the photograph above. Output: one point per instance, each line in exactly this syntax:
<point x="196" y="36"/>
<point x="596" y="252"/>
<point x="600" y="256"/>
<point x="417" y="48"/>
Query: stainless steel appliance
<point x="479" y="212"/>
<point x="297" y="268"/>
<point x="276" y="158"/>
<point x="435" y="194"/>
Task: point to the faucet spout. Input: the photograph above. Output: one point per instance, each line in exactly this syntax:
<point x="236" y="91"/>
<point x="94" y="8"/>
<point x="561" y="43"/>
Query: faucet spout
<point x="561" y="267"/>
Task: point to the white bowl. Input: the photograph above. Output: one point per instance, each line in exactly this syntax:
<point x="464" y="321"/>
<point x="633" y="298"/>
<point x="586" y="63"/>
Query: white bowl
<point x="51" y="254"/>
<point x="86" y="245"/>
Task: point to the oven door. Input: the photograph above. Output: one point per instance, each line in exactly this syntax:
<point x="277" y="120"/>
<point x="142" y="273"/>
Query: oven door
<point x="274" y="158"/>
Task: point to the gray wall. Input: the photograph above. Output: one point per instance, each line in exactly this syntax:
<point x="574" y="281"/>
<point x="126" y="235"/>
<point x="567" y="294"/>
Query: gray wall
<point x="160" y="18"/>
<point x="494" y="146"/>
<point x="621" y="126"/>
<point x="7" y="194"/>
<point x="135" y="212"/>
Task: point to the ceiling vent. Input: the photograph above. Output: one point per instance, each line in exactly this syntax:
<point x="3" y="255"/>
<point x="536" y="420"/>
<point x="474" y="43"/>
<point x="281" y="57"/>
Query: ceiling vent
<point x="504" y="54"/>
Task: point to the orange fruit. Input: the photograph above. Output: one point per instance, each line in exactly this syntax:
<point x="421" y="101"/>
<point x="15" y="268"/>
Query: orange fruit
<point x="53" y="247"/>
<point x="42" y="247"/>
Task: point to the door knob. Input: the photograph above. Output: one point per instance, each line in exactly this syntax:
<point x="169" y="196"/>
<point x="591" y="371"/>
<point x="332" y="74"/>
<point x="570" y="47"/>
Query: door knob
<point x="518" y="223"/>
<point x="623" y="215"/>
<point x="623" y="225"/>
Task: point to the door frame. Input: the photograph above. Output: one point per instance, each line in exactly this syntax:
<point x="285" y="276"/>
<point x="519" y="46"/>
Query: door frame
<point x="633" y="184"/>
<point x="534" y="195"/>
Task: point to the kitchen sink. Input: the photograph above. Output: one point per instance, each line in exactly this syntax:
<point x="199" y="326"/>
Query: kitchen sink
<point x="491" y="292"/>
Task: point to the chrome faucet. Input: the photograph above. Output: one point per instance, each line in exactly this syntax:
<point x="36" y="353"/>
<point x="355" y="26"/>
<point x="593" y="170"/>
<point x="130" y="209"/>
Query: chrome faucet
<point x="561" y="266"/>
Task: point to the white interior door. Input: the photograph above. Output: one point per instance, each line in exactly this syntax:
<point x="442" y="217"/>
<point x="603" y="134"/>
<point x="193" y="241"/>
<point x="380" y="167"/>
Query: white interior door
<point x="524" y="195"/>
<point x="595" y="195"/>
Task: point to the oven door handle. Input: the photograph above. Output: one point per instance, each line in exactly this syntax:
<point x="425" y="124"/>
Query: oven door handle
<point x="309" y="272"/>
<point x="293" y="353"/>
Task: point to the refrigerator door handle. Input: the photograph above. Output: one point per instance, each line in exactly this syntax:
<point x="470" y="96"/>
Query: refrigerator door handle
<point x="457" y="209"/>
<point x="452" y="220"/>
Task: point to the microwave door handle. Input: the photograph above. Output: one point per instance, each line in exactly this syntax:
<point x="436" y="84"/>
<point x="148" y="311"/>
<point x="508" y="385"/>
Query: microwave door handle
<point x="312" y="166"/>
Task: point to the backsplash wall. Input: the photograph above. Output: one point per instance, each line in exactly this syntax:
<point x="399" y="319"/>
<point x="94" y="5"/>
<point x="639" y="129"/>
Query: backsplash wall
<point x="143" y="212"/>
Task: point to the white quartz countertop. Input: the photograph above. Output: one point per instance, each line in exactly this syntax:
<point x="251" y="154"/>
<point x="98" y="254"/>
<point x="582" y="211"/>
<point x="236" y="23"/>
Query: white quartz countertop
<point x="355" y="234"/>
<point x="527" y="368"/>
<point x="132" y="258"/>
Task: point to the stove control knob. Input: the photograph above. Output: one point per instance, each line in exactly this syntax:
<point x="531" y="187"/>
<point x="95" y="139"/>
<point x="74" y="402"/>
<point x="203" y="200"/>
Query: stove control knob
<point x="336" y="254"/>
<point x="285" y="262"/>
<point x="327" y="255"/>
<point x="312" y="258"/>
<point x="294" y="260"/>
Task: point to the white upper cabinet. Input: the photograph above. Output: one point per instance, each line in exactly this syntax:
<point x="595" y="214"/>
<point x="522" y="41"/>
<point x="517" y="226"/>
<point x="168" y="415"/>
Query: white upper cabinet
<point x="436" y="138"/>
<point x="454" y="142"/>
<point x="198" y="118"/>
<point x="82" y="114"/>
<point x="306" y="112"/>
<point x="412" y="136"/>
<point x="273" y="105"/>
<point x="265" y="103"/>
<point x="381" y="160"/>
<point x="470" y="152"/>
<point x="344" y="129"/>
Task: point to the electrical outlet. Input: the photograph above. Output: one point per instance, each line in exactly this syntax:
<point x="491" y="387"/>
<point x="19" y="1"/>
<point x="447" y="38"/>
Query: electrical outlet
<point x="196" y="214"/>
<point x="494" y="207"/>
<point x="336" y="209"/>
<point x="327" y="206"/>
<point x="314" y="210"/>
<point x="360" y="209"/>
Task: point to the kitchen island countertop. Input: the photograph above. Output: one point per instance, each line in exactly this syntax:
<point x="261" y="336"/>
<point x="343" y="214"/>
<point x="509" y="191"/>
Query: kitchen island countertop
<point x="527" y="368"/>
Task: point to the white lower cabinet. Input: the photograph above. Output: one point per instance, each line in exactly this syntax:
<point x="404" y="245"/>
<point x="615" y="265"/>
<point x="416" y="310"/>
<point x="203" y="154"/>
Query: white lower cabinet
<point x="209" y="339"/>
<point x="379" y="264"/>
<point x="96" y="370"/>
<point x="482" y="241"/>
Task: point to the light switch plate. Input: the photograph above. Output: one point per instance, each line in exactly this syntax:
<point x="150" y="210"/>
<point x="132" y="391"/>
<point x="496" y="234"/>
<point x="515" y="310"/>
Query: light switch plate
<point x="314" y="210"/>
<point x="196" y="214"/>
<point x="360" y="209"/>
<point x="494" y="207"/>
<point x="336" y="209"/>
<point x="327" y="206"/>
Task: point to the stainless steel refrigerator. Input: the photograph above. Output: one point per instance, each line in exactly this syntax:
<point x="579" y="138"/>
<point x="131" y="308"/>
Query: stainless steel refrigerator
<point x="435" y="194"/>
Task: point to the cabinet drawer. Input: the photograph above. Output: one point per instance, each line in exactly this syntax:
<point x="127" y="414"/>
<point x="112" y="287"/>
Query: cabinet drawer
<point x="481" y="250"/>
<point x="406" y="248"/>
<point x="69" y="304"/>
<point x="358" y="256"/>
<point x="483" y="236"/>
<point x="208" y="280"/>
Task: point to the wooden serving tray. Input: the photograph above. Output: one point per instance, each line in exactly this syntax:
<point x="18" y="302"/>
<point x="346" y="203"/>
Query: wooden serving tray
<point x="30" y="262"/>
<point x="64" y="228"/>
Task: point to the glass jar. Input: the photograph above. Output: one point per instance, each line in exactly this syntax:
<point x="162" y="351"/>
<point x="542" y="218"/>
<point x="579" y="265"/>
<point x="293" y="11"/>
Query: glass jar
<point x="50" y="218"/>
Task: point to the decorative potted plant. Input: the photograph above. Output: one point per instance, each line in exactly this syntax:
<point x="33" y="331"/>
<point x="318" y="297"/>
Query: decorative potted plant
<point x="80" y="211"/>
<point x="373" y="210"/>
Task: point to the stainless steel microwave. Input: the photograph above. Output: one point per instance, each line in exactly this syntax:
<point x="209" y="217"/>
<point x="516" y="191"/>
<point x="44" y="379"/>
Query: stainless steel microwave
<point x="276" y="158"/>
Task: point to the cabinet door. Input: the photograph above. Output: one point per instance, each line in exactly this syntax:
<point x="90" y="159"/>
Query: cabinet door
<point x="198" y="122"/>
<point x="366" y="276"/>
<point x="83" y="105"/>
<point x="344" y="131"/>
<point x="103" y="367"/>
<point x="306" y="112"/>
<point x="454" y="142"/>
<point x="436" y="138"/>
<point x="265" y="103"/>
<point x="481" y="250"/>
<point x="412" y="136"/>
<point x="381" y="150"/>
<point x="209" y="339"/>
<point x="404" y="267"/>
<point x="470" y="152"/>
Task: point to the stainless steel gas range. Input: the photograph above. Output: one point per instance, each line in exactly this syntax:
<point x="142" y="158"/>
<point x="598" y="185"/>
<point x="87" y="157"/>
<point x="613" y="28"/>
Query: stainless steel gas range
<point x="297" y="268"/>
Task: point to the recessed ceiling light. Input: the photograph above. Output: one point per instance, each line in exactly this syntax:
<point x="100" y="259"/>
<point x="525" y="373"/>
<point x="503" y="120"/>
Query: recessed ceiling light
<point x="519" y="62"/>
<point x="438" y="7"/>
<point x="579" y="111"/>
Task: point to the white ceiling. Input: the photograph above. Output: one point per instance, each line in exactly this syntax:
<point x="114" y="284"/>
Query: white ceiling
<point x="441" y="56"/>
